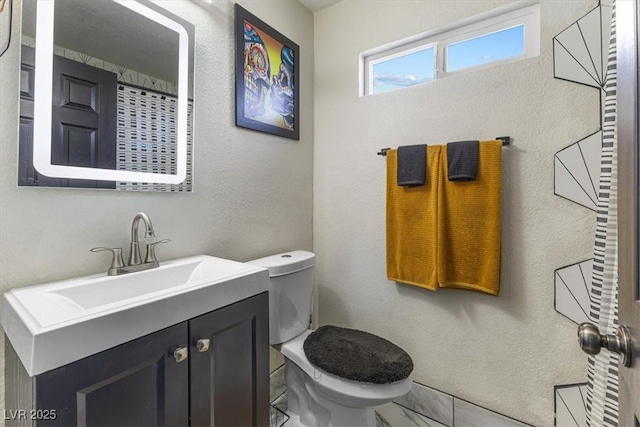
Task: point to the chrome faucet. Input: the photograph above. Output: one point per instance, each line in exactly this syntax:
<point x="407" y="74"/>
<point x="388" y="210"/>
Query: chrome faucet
<point x="134" y="246"/>
<point x="135" y="261"/>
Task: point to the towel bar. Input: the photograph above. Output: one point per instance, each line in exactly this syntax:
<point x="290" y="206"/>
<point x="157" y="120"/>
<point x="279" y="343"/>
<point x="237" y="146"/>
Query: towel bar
<point x="506" y="140"/>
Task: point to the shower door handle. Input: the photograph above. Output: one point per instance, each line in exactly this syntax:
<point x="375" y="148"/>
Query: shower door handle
<point x="591" y="341"/>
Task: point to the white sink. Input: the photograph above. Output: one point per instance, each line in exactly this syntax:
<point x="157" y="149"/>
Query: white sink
<point x="53" y="324"/>
<point x="112" y="289"/>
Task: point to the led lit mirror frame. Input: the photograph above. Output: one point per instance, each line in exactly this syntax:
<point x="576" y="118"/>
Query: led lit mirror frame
<point x="43" y="102"/>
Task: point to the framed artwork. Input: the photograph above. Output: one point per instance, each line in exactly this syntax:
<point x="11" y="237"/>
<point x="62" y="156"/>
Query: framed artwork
<point x="267" y="78"/>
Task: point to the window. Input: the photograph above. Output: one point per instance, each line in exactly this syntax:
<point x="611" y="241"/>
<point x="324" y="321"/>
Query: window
<point x="499" y="36"/>
<point x="485" y="49"/>
<point x="407" y="69"/>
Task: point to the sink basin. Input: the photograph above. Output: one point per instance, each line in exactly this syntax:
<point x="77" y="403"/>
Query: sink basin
<point x="53" y="324"/>
<point x="113" y="289"/>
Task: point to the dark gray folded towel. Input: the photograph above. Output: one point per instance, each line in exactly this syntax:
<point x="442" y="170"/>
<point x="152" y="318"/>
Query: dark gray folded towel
<point x="462" y="160"/>
<point x="412" y="165"/>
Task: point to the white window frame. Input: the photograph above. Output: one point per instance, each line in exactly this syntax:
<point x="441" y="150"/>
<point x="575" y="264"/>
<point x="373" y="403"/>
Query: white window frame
<point x="499" y="19"/>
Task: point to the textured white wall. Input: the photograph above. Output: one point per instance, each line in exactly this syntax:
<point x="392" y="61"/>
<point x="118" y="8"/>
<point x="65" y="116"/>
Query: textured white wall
<point x="253" y="191"/>
<point x="504" y="353"/>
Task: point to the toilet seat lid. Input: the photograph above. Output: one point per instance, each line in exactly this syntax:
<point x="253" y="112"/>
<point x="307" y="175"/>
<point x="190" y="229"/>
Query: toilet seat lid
<point x="357" y="355"/>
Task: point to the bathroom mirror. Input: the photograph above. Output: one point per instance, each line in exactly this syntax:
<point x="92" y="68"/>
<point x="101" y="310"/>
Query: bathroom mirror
<point x="105" y="95"/>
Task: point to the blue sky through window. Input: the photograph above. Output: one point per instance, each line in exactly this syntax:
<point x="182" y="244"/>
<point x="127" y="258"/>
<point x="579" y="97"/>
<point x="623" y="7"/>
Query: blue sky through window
<point x="485" y="49"/>
<point x="407" y="70"/>
<point x="418" y="67"/>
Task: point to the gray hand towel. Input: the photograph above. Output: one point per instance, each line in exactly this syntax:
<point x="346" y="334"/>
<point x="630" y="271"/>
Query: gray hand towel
<point x="412" y="165"/>
<point x="462" y="160"/>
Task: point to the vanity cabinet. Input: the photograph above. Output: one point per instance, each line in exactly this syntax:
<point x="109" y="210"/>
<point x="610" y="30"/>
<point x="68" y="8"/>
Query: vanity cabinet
<point x="223" y="381"/>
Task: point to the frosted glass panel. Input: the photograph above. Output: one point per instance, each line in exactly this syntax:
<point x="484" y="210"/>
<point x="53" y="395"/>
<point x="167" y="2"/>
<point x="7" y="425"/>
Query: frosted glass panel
<point x="485" y="49"/>
<point x="407" y="70"/>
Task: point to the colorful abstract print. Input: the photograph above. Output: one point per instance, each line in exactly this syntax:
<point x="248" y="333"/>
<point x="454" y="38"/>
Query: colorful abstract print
<point x="268" y="79"/>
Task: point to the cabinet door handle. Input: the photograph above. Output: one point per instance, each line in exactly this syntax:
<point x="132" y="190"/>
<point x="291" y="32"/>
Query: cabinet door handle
<point x="180" y="354"/>
<point x="203" y="344"/>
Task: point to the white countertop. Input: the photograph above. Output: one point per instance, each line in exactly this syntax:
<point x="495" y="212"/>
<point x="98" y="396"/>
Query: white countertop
<point x="53" y="324"/>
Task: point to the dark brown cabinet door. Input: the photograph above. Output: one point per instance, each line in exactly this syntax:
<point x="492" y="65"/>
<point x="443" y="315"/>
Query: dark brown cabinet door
<point x="229" y="380"/>
<point x="84" y="121"/>
<point x="138" y="383"/>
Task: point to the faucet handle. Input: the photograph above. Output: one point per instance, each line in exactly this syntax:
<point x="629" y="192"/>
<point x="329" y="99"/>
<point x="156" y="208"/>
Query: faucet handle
<point x="151" y="250"/>
<point x="117" y="261"/>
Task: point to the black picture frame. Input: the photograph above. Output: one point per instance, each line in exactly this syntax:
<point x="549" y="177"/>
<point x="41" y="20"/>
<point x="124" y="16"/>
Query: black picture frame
<point x="267" y="77"/>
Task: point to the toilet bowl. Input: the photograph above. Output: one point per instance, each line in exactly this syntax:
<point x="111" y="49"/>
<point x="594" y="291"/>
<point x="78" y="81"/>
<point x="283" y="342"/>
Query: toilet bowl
<point x="315" y="397"/>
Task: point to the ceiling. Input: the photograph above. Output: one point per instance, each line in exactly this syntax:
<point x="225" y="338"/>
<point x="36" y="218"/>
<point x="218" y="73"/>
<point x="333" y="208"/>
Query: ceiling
<point x="316" y="5"/>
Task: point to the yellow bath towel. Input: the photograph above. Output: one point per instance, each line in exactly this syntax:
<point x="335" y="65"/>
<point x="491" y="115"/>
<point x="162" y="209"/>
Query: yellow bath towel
<point x="412" y="224"/>
<point x="469" y="224"/>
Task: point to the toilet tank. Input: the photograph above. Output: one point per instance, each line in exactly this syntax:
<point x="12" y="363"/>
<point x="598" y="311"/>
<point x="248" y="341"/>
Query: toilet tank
<point x="290" y="289"/>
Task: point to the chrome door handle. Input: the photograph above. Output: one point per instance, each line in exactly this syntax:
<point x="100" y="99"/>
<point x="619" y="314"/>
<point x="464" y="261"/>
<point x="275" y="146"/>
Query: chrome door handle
<point x="591" y="341"/>
<point x="180" y="354"/>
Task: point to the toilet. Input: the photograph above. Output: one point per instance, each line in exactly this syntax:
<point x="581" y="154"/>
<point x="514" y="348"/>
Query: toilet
<point x="317" y="397"/>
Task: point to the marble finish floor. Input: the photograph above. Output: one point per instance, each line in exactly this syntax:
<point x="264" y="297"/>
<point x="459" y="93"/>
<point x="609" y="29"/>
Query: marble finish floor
<point x="393" y="415"/>
<point x="421" y="407"/>
<point x="387" y="415"/>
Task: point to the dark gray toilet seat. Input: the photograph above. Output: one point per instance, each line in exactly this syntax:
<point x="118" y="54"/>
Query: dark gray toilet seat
<point x="357" y="355"/>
